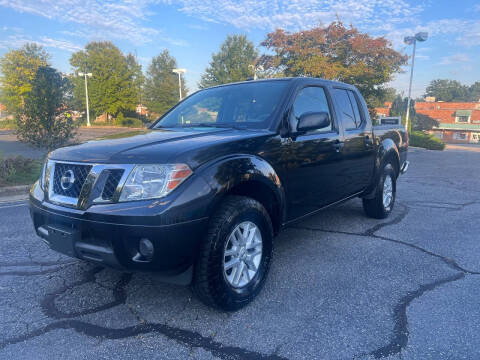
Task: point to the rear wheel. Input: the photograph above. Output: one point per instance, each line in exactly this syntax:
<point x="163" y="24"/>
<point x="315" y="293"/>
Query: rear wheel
<point x="382" y="204"/>
<point x="235" y="256"/>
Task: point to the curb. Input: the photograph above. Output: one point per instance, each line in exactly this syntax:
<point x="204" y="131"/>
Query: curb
<point x="14" y="191"/>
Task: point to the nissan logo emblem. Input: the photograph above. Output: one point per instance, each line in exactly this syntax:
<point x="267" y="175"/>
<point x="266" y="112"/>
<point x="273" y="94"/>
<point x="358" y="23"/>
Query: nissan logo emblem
<point x="67" y="180"/>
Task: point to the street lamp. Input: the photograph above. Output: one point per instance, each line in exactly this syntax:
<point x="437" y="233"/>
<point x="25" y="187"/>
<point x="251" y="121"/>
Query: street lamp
<point x="180" y="72"/>
<point x="255" y="69"/>
<point x="86" y="93"/>
<point x="409" y="40"/>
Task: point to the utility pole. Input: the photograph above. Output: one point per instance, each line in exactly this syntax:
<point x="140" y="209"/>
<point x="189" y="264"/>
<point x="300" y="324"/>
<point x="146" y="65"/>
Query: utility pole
<point x="85" y="74"/>
<point x="421" y="36"/>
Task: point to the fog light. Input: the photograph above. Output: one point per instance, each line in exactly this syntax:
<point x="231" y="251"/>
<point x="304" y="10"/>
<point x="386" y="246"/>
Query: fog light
<point x="145" y="247"/>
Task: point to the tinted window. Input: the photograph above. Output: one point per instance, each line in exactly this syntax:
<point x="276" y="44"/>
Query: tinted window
<point x="247" y="105"/>
<point x="346" y="109"/>
<point x="310" y="99"/>
<point x="356" y="110"/>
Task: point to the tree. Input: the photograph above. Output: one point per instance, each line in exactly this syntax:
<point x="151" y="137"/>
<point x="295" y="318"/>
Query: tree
<point x="112" y="89"/>
<point x="231" y="63"/>
<point x="18" y="69"/>
<point x="161" y="84"/>
<point x="138" y="79"/>
<point x="424" y="122"/>
<point x="448" y="90"/>
<point x="475" y="91"/>
<point x="337" y="53"/>
<point x="44" y="121"/>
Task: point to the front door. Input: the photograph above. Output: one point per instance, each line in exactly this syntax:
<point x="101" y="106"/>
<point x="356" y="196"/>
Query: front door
<point x="311" y="159"/>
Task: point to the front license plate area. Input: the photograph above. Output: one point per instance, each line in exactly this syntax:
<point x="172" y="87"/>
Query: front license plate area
<point x="62" y="239"/>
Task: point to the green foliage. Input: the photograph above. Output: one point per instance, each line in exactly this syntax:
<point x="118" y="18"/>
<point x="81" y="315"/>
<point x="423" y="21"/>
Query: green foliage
<point x="19" y="171"/>
<point x="116" y="81"/>
<point x="18" y="69"/>
<point x="161" y="84"/>
<point x="231" y="63"/>
<point x="129" y="122"/>
<point x="425" y="140"/>
<point x="8" y="124"/>
<point x="423" y="122"/>
<point x="45" y="122"/>
<point x="335" y="52"/>
<point x="448" y="90"/>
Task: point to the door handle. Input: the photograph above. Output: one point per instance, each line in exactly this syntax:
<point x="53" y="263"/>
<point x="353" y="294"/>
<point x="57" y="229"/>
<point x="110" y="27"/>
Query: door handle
<point x="338" y="145"/>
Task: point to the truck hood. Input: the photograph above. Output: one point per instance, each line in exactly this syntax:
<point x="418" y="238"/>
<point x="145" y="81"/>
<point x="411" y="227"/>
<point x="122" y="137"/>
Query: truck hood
<point x="188" y="145"/>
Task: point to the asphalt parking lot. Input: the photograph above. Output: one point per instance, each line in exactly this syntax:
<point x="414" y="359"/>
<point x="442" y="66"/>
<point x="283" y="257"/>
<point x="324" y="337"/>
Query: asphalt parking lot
<point x="341" y="287"/>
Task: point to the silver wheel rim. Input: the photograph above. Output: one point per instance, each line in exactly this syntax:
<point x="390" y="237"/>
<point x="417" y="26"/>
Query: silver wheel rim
<point x="242" y="255"/>
<point x="387" y="191"/>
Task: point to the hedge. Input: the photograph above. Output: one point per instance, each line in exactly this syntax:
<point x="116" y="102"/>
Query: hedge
<point x="425" y="140"/>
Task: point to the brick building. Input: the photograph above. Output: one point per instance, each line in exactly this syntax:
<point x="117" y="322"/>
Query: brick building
<point x="384" y="110"/>
<point x="459" y="122"/>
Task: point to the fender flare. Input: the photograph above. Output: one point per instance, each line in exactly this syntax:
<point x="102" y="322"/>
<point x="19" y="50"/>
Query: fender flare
<point x="225" y="174"/>
<point x="387" y="149"/>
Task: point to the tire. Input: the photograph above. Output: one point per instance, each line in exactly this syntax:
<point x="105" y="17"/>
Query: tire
<point x="211" y="282"/>
<point x="376" y="208"/>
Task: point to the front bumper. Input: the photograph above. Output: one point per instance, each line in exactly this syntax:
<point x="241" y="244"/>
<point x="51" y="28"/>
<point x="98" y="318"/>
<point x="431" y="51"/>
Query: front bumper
<point x="110" y="234"/>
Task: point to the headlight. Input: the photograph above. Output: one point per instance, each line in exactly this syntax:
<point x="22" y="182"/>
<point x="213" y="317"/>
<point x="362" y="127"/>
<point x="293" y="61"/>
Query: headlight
<point x="153" y="181"/>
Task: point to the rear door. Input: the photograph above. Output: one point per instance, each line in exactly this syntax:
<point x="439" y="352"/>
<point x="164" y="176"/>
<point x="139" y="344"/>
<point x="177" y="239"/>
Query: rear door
<point x="358" y="153"/>
<point x="311" y="160"/>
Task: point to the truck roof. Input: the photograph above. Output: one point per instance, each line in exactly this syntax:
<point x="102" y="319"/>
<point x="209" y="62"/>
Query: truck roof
<point x="298" y="79"/>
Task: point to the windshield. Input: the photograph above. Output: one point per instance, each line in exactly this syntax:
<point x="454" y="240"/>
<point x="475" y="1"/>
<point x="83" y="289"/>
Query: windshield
<point x="246" y="105"/>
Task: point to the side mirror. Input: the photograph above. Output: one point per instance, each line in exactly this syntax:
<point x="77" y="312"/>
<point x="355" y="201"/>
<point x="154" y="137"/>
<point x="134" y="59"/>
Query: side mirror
<point x="312" y="121"/>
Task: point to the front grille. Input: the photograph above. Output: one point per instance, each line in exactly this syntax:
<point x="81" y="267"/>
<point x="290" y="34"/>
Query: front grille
<point x="80" y="173"/>
<point x="111" y="183"/>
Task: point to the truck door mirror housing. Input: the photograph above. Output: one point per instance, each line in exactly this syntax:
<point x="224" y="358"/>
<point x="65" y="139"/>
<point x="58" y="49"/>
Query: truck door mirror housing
<point x="313" y="121"/>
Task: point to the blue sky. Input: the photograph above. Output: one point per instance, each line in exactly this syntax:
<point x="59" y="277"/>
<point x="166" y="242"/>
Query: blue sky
<point x="193" y="29"/>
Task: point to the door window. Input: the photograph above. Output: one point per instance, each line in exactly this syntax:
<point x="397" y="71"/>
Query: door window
<point x="349" y="110"/>
<point x="310" y="99"/>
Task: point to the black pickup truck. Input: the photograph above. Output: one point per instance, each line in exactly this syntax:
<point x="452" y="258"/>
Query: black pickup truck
<point x="200" y="195"/>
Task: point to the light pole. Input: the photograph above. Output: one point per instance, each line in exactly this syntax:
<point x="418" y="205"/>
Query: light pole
<point x="409" y="40"/>
<point x="85" y="74"/>
<point x="179" y="72"/>
<point x="255" y="69"/>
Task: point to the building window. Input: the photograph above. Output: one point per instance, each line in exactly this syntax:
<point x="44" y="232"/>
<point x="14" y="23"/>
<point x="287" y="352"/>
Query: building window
<point x="460" y="136"/>
<point x="438" y="135"/>
<point x="462" y="119"/>
<point x="475" y="138"/>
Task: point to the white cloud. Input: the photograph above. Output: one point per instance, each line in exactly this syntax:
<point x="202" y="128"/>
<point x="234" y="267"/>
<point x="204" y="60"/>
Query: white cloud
<point x="124" y="19"/>
<point x="454" y="59"/>
<point x="18" y="40"/>
<point x="299" y="14"/>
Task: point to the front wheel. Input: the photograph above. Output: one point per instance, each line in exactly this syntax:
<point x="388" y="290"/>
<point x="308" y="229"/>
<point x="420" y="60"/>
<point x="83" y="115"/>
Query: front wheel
<point x="382" y="204"/>
<point x="235" y="257"/>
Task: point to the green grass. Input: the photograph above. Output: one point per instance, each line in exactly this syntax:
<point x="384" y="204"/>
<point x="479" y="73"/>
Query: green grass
<point x="19" y="171"/>
<point x="7" y="125"/>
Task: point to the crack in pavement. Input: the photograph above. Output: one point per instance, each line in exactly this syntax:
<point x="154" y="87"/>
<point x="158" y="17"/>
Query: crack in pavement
<point x="399" y="339"/>
<point x="66" y="321"/>
<point x="400" y="330"/>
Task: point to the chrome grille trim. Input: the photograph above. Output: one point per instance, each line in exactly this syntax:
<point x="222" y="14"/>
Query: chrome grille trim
<point x="92" y="189"/>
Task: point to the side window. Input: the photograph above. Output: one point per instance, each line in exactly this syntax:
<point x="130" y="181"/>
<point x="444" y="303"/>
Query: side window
<point x="346" y="110"/>
<point x="356" y="110"/>
<point x="310" y="99"/>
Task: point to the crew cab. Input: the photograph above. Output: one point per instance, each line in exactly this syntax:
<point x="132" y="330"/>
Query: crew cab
<point x="200" y="195"/>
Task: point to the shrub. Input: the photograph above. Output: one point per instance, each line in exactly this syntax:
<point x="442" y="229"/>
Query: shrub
<point x="425" y="140"/>
<point x="44" y="120"/>
<point x="19" y="170"/>
<point x="129" y="122"/>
